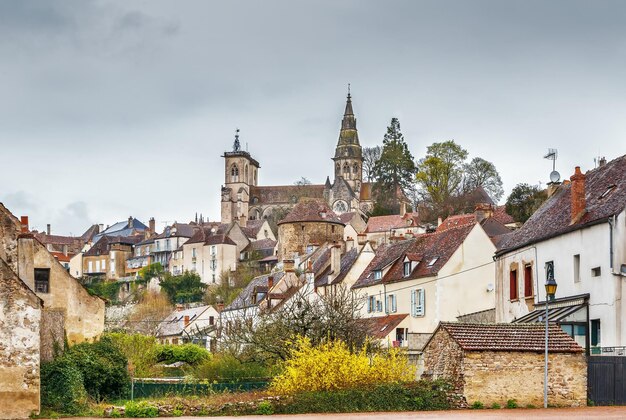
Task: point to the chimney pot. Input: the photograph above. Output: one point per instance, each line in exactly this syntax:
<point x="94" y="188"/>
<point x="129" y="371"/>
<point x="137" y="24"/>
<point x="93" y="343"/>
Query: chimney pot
<point x="24" y="223"/>
<point x="48" y="229"/>
<point x="186" y="320"/>
<point x="130" y="221"/>
<point x="577" y="194"/>
<point x="270" y="282"/>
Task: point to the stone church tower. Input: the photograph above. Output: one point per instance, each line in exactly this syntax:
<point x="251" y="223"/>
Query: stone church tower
<point x="241" y="172"/>
<point x="348" y="153"/>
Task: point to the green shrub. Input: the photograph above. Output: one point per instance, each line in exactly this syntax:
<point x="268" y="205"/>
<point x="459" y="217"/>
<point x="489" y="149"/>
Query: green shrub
<point x="495" y="406"/>
<point x="511" y="403"/>
<point x="62" y="387"/>
<point x="140" y="350"/>
<point x="188" y="353"/>
<point x="141" y="409"/>
<point x="414" y="396"/>
<point x="222" y="367"/>
<point x="103" y="367"/>
<point x="265" y="408"/>
<point x="530" y="406"/>
<point x="477" y="405"/>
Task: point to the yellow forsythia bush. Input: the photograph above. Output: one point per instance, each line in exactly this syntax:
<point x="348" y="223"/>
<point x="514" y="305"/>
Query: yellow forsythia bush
<point x="332" y="366"/>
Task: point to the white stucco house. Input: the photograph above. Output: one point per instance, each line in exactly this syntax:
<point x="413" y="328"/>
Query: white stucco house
<point x="580" y="233"/>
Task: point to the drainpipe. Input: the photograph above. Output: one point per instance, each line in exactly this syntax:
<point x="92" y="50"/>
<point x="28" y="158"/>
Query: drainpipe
<point x="611" y="224"/>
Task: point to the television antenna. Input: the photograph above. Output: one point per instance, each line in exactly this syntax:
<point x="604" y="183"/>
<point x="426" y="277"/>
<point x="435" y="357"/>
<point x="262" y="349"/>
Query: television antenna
<point x="554" y="175"/>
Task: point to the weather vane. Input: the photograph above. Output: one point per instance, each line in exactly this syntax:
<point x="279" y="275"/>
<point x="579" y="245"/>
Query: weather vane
<point x="348" y="89"/>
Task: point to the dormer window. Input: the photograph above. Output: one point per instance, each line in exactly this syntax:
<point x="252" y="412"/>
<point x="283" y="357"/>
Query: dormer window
<point x="378" y="274"/>
<point x="407" y="268"/>
<point x="433" y="261"/>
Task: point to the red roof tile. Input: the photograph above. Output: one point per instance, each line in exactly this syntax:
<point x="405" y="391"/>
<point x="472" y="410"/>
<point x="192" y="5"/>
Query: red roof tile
<point x="385" y="255"/>
<point x="311" y="211"/>
<point x="510" y="337"/>
<point x="390" y="222"/>
<point x="456" y="221"/>
<point x="502" y="216"/>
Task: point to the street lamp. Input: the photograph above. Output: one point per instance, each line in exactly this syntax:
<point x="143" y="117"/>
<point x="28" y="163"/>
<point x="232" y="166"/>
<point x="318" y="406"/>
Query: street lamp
<point x="550" y="292"/>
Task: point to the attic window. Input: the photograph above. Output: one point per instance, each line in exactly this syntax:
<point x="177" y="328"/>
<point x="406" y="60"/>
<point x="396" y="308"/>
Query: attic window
<point x="378" y="274"/>
<point x="384" y="327"/>
<point x="433" y="261"/>
<point x="407" y="268"/>
<point x="608" y="191"/>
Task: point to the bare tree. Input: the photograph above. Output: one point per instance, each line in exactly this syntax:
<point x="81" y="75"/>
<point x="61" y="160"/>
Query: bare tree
<point x="370" y="157"/>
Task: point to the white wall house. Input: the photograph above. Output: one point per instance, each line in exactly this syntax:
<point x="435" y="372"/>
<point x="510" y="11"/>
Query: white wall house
<point x="432" y="278"/>
<point x="580" y="232"/>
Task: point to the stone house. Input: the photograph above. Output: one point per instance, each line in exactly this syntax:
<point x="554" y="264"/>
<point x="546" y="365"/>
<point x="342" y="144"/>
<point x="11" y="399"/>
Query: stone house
<point x="209" y="253"/>
<point x="142" y="257"/>
<point x="257" y="230"/>
<point x="579" y="234"/>
<point x="172" y="238"/>
<point x="107" y="258"/>
<point x="20" y="323"/>
<point x="494" y="363"/>
<point x="354" y="225"/>
<point x="69" y="310"/>
<point x="310" y="224"/>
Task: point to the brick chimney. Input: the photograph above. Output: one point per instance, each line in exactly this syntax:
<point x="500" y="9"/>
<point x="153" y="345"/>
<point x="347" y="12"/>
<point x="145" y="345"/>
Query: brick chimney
<point x="335" y="262"/>
<point x="24" y="223"/>
<point x="48" y="229"/>
<point x="152" y="226"/>
<point x="130" y="222"/>
<point x="220" y="306"/>
<point x="578" y="202"/>
<point x="270" y="283"/>
<point x="186" y="319"/>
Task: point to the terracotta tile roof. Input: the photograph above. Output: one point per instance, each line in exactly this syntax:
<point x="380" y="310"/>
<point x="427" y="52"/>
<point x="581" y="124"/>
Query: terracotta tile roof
<point x="380" y="327"/>
<point x="605" y="193"/>
<point x="385" y="255"/>
<point x="56" y="239"/>
<point x="502" y="216"/>
<point x="207" y="236"/>
<point x="61" y="257"/>
<point x="346" y="217"/>
<point x="432" y="250"/>
<point x="510" y="337"/>
<point x="311" y="211"/>
<point x="261" y="244"/>
<point x="252" y="228"/>
<point x="284" y="194"/>
<point x="456" y="221"/>
<point x="393" y="221"/>
<point x="347" y="261"/>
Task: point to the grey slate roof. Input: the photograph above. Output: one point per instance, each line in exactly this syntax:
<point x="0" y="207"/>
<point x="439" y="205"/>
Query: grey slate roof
<point x="174" y="324"/>
<point x="244" y="299"/>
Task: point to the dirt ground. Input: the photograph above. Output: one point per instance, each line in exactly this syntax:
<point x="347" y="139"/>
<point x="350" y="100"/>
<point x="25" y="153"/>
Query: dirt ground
<point x="604" y="413"/>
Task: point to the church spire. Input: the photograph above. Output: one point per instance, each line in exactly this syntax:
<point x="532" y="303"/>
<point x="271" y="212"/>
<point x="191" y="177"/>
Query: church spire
<point x="348" y="111"/>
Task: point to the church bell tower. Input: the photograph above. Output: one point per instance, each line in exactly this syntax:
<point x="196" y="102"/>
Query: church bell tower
<point x="348" y="153"/>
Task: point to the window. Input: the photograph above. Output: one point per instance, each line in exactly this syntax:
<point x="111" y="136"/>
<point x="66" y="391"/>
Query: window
<point x="378" y="274"/>
<point x="513" y="284"/>
<point x="167" y="244"/>
<point x="391" y="304"/>
<point x="528" y="280"/>
<point x="42" y="280"/>
<point x="97" y="266"/>
<point x="213" y="250"/>
<point x="213" y="278"/>
<point x="407" y="268"/>
<point x="371" y="304"/>
<point x="346" y="169"/>
<point x="104" y="265"/>
<point x="433" y="261"/>
<point x="355" y="169"/>
<point x="596" y="272"/>
<point x="211" y="320"/>
<point x="90" y="267"/>
<point x="379" y="306"/>
<point x="418" y="298"/>
<point x="234" y="173"/>
<point x="577" y="268"/>
<point x="595" y="332"/>
<point x="193" y="252"/>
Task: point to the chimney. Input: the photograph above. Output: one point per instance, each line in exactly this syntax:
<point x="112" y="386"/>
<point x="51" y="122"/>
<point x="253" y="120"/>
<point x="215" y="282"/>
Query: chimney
<point x="24" y="222"/>
<point x="179" y="307"/>
<point x="288" y="266"/>
<point x="335" y="262"/>
<point x="577" y="192"/>
<point x="361" y="239"/>
<point x="186" y="319"/>
<point x="483" y="211"/>
<point x="64" y="249"/>
<point x="349" y="243"/>
<point x="243" y="220"/>
<point x="220" y="306"/>
<point x="270" y="283"/>
<point x="48" y="229"/>
<point x="602" y="161"/>
<point x="101" y="228"/>
<point x="152" y="226"/>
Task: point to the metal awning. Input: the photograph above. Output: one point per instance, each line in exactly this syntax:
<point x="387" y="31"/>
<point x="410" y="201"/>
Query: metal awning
<point x="557" y="310"/>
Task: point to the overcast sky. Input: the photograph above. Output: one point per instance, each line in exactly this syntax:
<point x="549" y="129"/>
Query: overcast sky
<point x="111" y="109"/>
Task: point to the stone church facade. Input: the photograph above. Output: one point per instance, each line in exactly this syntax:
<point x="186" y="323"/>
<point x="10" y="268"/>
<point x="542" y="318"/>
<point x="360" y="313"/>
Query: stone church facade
<point x="243" y="199"/>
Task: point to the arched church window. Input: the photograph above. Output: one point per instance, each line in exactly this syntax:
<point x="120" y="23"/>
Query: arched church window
<point x="355" y="169"/>
<point x="246" y="174"/>
<point x="340" y="206"/>
<point x="346" y="169"/>
<point x="234" y="173"/>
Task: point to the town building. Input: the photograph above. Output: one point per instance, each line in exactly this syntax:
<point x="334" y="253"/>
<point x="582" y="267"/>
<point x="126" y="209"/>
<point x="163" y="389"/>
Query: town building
<point x="107" y="258"/>
<point x="172" y="238"/>
<point x="197" y="325"/>
<point x="210" y="252"/>
<point x="579" y="236"/>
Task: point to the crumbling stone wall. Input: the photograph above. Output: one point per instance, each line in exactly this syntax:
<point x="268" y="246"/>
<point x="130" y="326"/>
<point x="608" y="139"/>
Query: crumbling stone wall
<point x="9" y="230"/>
<point x="52" y="333"/>
<point x="497" y="376"/>
<point x="20" y="316"/>
<point x="443" y="359"/>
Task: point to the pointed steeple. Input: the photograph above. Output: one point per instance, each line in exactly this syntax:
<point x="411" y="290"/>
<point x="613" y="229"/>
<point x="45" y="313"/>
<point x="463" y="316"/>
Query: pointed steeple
<point x="348" y="135"/>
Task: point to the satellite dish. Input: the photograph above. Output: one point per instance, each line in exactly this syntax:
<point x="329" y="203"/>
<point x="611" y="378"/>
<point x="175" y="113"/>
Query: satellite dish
<point x="555" y="176"/>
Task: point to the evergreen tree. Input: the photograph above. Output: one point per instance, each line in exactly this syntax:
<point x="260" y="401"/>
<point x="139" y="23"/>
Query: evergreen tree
<point x="394" y="171"/>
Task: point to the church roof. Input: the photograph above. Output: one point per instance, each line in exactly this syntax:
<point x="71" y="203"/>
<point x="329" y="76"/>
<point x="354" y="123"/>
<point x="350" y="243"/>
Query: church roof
<point x="284" y="194"/>
<point x="311" y="211"/>
<point x="348" y="144"/>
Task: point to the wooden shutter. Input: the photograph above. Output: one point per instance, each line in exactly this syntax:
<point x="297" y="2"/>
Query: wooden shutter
<point x="513" y="284"/>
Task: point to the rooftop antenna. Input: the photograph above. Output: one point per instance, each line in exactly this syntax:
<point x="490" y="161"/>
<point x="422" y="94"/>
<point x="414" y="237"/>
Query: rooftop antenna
<point x="554" y="175"/>
<point x="236" y="145"/>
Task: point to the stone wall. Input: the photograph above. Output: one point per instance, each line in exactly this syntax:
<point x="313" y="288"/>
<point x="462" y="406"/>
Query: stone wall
<point x="496" y="377"/>
<point x="443" y="359"/>
<point x="52" y="333"/>
<point x="9" y="230"/>
<point x="20" y="315"/>
<point x="293" y="238"/>
<point x="84" y="314"/>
